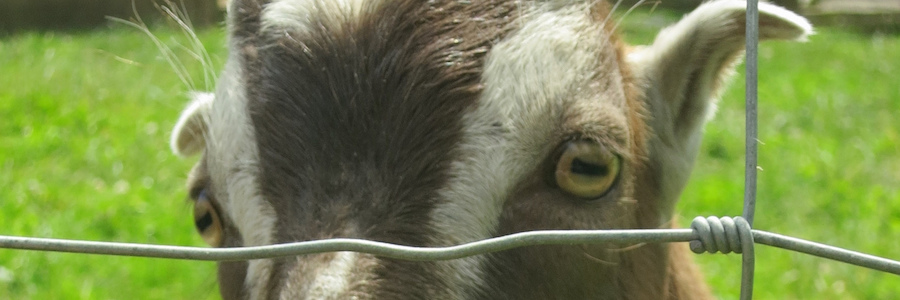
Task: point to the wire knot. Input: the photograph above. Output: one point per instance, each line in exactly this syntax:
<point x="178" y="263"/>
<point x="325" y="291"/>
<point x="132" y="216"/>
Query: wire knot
<point x="723" y="234"/>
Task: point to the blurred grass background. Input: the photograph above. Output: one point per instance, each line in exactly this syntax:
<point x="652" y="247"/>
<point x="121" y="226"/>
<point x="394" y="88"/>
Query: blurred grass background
<point x="84" y="125"/>
<point x="829" y="154"/>
<point x="84" y="121"/>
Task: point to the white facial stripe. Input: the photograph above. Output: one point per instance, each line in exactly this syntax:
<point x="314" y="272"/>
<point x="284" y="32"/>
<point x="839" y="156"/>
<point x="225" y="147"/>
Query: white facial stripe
<point x="528" y="78"/>
<point x="334" y="277"/>
<point x="298" y="15"/>
<point x="233" y="165"/>
<point x="330" y="279"/>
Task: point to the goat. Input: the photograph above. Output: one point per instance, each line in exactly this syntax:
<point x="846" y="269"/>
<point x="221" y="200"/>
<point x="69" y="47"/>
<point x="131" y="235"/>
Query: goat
<point x="436" y="123"/>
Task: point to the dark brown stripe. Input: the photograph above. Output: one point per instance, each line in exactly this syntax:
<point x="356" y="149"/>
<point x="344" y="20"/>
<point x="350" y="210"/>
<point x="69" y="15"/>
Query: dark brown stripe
<point x="243" y="19"/>
<point x="356" y="125"/>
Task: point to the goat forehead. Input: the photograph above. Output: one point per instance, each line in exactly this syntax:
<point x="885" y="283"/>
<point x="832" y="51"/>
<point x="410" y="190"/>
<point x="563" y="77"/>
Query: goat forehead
<point x="387" y="87"/>
<point x="409" y="121"/>
<point x="373" y="100"/>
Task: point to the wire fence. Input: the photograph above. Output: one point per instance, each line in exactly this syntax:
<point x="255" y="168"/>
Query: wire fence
<point x="702" y="236"/>
<point x="711" y="234"/>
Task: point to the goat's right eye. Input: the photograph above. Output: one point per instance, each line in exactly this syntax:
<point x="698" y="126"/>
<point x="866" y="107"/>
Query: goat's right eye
<point x="587" y="169"/>
<point x="207" y="220"/>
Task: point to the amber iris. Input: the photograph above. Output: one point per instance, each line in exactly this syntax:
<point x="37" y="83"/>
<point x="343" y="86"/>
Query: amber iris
<point x="587" y="169"/>
<point x="207" y="220"/>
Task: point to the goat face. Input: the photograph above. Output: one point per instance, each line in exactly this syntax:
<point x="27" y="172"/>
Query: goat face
<point x="435" y="123"/>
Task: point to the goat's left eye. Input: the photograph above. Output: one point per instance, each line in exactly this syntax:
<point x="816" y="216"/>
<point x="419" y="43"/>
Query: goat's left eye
<point x="587" y="169"/>
<point x="207" y="220"/>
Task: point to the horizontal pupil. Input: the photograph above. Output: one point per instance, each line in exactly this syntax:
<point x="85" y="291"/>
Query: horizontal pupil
<point x="585" y="168"/>
<point x="203" y="222"/>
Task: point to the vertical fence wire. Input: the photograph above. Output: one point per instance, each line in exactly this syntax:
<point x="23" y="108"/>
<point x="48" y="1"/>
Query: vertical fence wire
<point x="752" y="41"/>
<point x="751" y="84"/>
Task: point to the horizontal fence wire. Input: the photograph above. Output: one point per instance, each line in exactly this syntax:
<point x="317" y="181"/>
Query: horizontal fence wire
<point x="531" y="238"/>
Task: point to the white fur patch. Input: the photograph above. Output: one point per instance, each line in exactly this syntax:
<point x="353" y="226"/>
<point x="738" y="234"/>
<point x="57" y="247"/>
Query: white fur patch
<point x="299" y="14"/>
<point x="331" y="279"/>
<point x="232" y="159"/>
<point x="527" y="79"/>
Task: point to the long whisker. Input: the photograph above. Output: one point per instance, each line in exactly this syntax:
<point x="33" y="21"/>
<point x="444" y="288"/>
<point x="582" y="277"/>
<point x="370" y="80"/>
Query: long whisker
<point x="199" y="51"/>
<point x="194" y="48"/>
<point x="165" y="50"/>
<point x="622" y="18"/>
<point x="611" y="11"/>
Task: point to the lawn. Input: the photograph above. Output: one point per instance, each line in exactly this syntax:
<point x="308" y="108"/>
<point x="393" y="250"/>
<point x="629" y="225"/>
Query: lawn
<point x="84" y="122"/>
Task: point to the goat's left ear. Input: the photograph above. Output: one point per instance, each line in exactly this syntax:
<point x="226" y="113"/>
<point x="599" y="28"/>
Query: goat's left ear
<point x="684" y="69"/>
<point x="189" y="134"/>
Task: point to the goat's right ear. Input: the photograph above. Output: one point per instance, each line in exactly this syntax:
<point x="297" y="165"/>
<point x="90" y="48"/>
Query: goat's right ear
<point x="684" y="70"/>
<point x="189" y="134"/>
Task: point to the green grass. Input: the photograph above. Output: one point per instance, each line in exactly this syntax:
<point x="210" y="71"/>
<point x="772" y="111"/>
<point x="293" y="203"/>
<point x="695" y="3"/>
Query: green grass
<point x="829" y="127"/>
<point x="84" y="122"/>
<point x="829" y="156"/>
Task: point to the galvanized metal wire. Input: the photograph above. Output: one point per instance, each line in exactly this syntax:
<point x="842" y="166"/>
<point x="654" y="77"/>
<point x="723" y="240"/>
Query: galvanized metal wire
<point x="751" y="138"/>
<point x="748" y="258"/>
<point x="531" y="238"/>
<point x="547" y="237"/>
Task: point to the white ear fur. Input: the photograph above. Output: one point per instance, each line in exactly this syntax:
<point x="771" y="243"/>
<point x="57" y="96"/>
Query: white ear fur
<point x="683" y="72"/>
<point x="685" y="67"/>
<point x="188" y="136"/>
